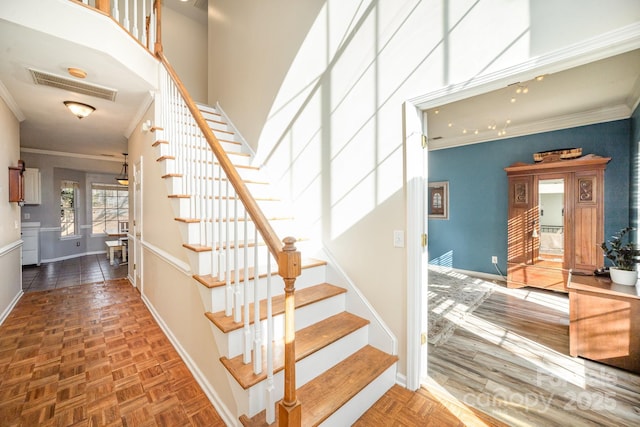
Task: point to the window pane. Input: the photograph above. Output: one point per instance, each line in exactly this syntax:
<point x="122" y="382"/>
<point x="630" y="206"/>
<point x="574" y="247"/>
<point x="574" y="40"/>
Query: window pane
<point x="111" y="227"/>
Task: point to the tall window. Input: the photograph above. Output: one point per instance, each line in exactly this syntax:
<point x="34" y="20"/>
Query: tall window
<point x="109" y="208"/>
<point x="68" y="194"/>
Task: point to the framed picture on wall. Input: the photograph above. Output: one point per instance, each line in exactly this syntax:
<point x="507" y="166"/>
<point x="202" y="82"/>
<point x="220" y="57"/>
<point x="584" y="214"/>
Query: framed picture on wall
<point x="438" y="200"/>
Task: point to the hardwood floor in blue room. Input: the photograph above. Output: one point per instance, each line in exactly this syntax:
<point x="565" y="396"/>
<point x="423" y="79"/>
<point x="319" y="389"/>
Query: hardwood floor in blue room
<point x="510" y="359"/>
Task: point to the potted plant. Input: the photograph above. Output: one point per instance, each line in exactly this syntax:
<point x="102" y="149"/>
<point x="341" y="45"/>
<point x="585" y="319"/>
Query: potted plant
<point x="624" y="257"/>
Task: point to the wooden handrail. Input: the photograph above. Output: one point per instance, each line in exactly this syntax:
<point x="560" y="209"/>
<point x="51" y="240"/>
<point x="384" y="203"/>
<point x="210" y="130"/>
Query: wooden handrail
<point x="262" y="224"/>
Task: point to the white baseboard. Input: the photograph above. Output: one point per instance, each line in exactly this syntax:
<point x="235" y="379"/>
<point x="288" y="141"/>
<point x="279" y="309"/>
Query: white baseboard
<point x="228" y="418"/>
<point x="11" y="306"/>
<point x="486" y="276"/>
<point x="62" y="258"/>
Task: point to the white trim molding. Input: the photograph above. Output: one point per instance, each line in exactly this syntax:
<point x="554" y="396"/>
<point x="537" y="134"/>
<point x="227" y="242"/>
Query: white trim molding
<point x="11" y="103"/>
<point x="179" y="265"/>
<point x="603" y="46"/>
<point x="209" y="390"/>
<point x="11" y="246"/>
<point x="65" y="154"/>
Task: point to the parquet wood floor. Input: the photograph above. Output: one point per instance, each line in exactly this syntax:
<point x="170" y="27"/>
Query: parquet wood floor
<point x="511" y="360"/>
<point x="92" y="355"/>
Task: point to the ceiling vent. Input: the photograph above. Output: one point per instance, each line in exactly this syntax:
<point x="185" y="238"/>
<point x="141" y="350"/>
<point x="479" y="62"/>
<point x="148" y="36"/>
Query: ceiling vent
<point x="51" y="80"/>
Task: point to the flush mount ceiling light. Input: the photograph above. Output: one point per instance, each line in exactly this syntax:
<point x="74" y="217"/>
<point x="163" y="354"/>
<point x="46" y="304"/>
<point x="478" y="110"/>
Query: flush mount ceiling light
<point x="123" y="178"/>
<point x="79" y="109"/>
<point x="77" y="72"/>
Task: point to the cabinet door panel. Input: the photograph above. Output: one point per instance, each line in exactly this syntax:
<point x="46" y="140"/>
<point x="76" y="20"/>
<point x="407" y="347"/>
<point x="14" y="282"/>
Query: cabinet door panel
<point x="518" y="232"/>
<point x="587" y="221"/>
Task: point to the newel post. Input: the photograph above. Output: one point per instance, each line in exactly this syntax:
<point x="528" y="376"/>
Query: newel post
<point x="289" y="267"/>
<point x="104" y="6"/>
<point x="158" y="44"/>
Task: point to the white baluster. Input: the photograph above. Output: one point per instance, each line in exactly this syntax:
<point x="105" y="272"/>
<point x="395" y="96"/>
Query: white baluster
<point x="116" y="11"/>
<point x="237" y="314"/>
<point x="257" y="330"/>
<point x="247" y="327"/>
<point x="135" y="31"/>
<point x="125" y="23"/>
<point x="270" y="388"/>
<point x="229" y="302"/>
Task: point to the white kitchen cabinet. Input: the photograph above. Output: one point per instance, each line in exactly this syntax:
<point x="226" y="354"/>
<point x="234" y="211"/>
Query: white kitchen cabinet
<point x="32" y="186"/>
<point x="30" y="243"/>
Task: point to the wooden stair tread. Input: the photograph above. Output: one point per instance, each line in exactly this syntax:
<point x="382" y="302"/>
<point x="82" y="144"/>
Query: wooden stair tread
<point x="327" y="393"/>
<point x="308" y="340"/>
<point x="241" y="244"/>
<point x="210" y="281"/>
<point x="223" y="220"/>
<point x="304" y="297"/>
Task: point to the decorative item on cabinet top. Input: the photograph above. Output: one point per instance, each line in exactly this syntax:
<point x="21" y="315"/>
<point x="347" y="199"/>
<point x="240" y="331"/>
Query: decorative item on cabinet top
<point x="558" y="154"/>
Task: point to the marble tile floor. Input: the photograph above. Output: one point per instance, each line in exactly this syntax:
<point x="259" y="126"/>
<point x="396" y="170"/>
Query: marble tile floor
<point x="71" y="272"/>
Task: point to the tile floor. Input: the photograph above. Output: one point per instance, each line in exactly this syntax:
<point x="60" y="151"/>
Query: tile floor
<point x="71" y="272"/>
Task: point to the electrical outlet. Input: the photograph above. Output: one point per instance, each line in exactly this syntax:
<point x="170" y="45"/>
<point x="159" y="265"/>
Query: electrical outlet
<point x="494" y="259"/>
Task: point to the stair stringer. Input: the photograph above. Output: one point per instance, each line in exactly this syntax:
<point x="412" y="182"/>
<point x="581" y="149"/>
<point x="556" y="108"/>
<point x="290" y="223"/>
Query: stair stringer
<point x="381" y="335"/>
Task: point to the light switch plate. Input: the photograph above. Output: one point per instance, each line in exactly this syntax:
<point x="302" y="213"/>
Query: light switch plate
<point x="398" y="239"/>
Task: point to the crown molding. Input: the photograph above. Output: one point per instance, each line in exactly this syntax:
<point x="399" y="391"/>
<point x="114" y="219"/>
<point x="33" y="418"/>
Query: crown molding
<point x="603" y="46"/>
<point x="65" y="154"/>
<point x="11" y="103"/>
<point x="584" y="118"/>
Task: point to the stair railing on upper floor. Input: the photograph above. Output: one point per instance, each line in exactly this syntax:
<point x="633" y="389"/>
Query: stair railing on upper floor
<point x="139" y="17"/>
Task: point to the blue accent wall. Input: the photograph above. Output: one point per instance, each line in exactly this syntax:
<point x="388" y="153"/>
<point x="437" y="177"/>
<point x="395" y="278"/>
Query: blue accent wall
<point x="477" y="224"/>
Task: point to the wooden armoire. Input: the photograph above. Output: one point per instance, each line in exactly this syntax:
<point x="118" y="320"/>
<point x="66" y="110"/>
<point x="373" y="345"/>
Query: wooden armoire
<point x="582" y="229"/>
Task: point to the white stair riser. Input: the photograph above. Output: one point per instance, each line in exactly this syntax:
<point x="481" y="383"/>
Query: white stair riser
<point x="167" y="166"/>
<point x="195" y="233"/>
<point x="309" y="277"/>
<point x="308" y="368"/>
<point x="305" y="316"/>
<point x="201" y="263"/>
<point x="211" y="114"/>
<point x="358" y="405"/>
<point x="165" y="149"/>
<point x="207" y="186"/>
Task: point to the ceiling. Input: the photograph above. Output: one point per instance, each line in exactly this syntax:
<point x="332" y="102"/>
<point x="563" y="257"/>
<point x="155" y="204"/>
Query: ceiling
<point x="600" y="91"/>
<point x="46" y="124"/>
<point x="597" y="91"/>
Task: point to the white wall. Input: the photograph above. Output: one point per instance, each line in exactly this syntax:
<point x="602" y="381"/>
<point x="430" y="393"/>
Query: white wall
<point x="167" y="284"/>
<point x="10" y="242"/>
<point x="184" y="41"/>
<point x="318" y="88"/>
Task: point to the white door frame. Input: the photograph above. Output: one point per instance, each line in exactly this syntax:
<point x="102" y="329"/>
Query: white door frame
<point x="137" y="225"/>
<point x="609" y="44"/>
<point x="416" y="180"/>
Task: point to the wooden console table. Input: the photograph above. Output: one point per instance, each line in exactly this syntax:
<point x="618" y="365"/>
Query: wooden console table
<point x="604" y="321"/>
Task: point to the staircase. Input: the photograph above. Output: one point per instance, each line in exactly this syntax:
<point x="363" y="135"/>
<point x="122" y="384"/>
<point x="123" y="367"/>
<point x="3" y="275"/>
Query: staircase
<point x="338" y="373"/>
